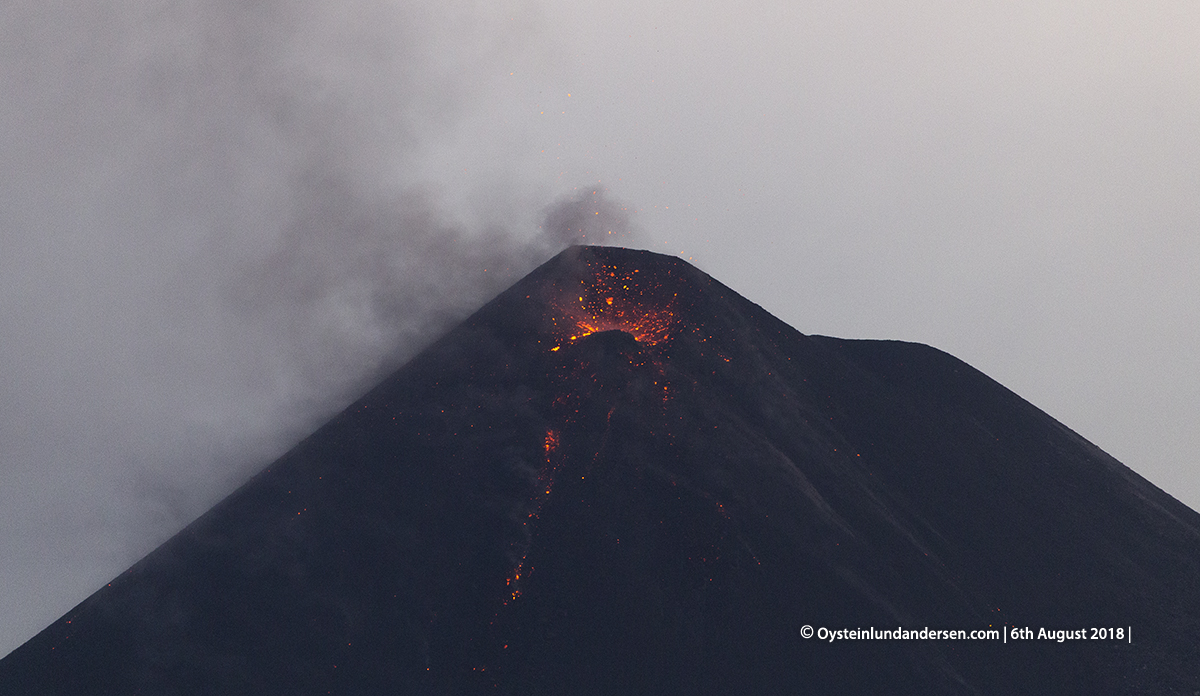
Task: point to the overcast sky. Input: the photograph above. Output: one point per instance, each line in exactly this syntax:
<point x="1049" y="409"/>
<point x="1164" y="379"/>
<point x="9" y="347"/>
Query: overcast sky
<point x="220" y="220"/>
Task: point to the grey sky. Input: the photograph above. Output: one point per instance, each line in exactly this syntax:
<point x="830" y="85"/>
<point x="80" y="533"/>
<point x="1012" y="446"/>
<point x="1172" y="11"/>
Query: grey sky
<point x="220" y="220"/>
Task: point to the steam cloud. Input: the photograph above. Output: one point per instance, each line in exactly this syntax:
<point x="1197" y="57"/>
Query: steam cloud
<point x="215" y="235"/>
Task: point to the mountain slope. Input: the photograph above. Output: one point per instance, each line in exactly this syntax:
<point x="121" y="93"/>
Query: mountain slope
<point x="621" y="477"/>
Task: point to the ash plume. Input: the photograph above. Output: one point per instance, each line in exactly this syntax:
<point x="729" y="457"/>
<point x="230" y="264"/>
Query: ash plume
<point x="589" y="217"/>
<point x="215" y="234"/>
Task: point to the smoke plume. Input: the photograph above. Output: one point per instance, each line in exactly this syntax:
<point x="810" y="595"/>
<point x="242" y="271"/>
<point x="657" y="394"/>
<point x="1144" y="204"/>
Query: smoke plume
<point x="216" y="233"/>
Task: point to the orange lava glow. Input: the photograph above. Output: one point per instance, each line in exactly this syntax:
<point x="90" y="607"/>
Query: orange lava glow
<point x="545" y="486"/>
<point x="612" y="299"/>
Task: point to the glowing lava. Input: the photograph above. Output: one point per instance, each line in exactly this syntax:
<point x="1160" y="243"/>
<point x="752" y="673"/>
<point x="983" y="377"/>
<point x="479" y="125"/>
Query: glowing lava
<point x="545" y="486"/>
<point x="607" y="298"/>
<point x="611" y="299"/>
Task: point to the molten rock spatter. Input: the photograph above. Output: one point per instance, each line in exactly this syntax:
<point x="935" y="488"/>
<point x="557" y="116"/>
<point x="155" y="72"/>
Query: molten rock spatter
<point x="592" y="376"/>
<point x="545" y="486"/>
<point x="612" y="297"/>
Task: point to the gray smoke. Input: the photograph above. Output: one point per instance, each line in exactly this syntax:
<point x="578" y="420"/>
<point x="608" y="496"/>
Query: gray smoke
<point x="215" y="234"/>
<point x="589" y="217"/>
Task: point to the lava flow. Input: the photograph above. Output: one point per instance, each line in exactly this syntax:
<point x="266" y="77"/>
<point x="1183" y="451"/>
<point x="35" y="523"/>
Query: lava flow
<point x="545" y="486"/>
<point x="608" y="297"/>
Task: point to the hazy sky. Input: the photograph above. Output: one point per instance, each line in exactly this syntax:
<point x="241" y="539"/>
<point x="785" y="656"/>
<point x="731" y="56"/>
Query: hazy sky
<point x="221" y="220"/>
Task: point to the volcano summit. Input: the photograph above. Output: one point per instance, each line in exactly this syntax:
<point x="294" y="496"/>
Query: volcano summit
<point x="620" y="477"/>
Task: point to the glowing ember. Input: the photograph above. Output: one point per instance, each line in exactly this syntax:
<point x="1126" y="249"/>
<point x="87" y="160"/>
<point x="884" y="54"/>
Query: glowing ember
<point x="545" y="486"/>
<point x="611" y="299"/>
<point x="607" y="299"/>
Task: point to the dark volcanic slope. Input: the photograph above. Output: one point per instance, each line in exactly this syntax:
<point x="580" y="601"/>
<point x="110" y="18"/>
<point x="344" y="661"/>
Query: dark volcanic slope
<point x="620" y="477"/>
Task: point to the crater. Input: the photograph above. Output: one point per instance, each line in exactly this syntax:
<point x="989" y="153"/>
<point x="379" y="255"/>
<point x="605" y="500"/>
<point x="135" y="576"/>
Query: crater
<point x="614" y="338"/>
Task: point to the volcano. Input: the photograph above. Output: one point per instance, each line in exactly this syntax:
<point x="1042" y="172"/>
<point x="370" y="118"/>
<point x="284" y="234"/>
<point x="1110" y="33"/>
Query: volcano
<point x="620" y="477"/>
